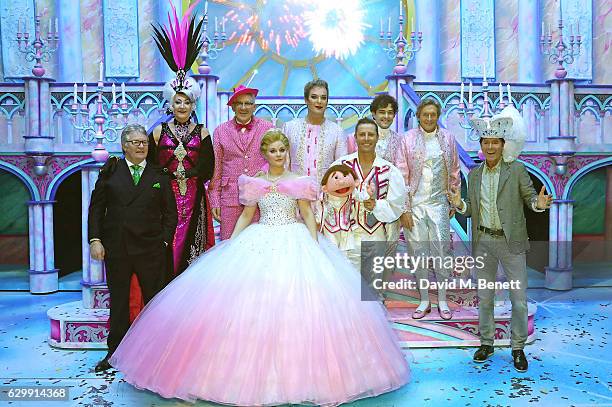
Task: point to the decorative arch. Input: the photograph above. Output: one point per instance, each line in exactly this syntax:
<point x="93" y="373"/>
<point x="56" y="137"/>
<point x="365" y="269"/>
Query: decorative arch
<point x="347" y="108"/>
<point x="303" y="109"/>
<point x="435" y="96"/>
<point x="582" y="172"/>
<point x="285" y="108"/>
<point x="65" y="173"/>
<point x="29" y="183"/>
<point x="156" y="106"/>
<point x="265" y="108"/>
<point x="532" y="97"/>
<point x="16" y="104"/>
<point x="593" y="110"/>
<point x="443" y="119"/>
<point x="542" y="177"/>
<point x="594" y="100"/>
<point x="410" y="113"/>
<point x="333" y="110"/>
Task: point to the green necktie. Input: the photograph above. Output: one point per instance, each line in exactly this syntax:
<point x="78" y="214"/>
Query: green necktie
<point x="136" y="174"/>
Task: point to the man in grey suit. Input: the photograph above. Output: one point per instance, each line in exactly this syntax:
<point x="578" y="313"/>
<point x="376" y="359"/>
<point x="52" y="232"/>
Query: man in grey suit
<point x="497" y="191"/>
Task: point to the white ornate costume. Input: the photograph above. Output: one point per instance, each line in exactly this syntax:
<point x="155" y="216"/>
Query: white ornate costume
<point x="429" y="164"/>
<point x="388" y="188"/>
<point x="336" y="215"/>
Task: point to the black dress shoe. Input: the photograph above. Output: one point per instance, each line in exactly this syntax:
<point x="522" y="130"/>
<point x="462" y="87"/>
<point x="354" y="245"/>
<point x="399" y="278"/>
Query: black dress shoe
<point x="483" y="353"/>
<point x="103" y="365"/>
<point x="520" y="361"/>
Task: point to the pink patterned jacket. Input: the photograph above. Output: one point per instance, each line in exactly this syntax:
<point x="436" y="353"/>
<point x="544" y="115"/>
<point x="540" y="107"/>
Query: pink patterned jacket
<point x="236" y="153"/>
<point x="410" y="156"/>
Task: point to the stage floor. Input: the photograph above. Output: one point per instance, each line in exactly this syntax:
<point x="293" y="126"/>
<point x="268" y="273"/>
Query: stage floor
<point x="568" y="361"/>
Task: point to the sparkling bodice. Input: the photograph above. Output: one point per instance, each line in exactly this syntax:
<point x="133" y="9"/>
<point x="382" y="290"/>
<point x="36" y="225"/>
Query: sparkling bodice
<point x="171" y="153"/>
<point x="277" y="209"/>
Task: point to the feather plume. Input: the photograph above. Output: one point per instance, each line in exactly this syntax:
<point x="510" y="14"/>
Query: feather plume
<point x="181" y="41"/>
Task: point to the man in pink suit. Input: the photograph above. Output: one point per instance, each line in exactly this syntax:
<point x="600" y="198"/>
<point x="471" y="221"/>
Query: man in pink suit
<point x="428" y="161"/>
<point x="236" y="146"/>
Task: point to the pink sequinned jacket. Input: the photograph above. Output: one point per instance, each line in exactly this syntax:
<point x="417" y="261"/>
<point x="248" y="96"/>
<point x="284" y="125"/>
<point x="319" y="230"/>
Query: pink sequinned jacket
<point x="236" y="153"/>
<point x="410" y="156"/>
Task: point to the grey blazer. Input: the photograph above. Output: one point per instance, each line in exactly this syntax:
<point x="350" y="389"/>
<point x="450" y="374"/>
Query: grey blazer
<point x="515" y="190"/>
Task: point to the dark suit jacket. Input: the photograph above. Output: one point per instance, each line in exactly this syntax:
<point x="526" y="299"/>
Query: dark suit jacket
<point x="137" y="218"/>
<point x="515" y="189"/>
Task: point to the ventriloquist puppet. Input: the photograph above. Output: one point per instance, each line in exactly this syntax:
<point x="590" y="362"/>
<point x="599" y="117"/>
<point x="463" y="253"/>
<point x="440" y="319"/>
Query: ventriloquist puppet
<point x="335" y="211"/>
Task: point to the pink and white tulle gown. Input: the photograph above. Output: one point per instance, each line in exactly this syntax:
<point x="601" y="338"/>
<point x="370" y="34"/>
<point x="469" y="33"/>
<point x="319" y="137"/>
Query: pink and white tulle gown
<point x="270" y="317"/>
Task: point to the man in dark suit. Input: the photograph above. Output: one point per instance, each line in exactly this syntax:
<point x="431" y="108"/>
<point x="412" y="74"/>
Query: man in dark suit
<point x="132" y="219"/>
<point x="497" y="192"/>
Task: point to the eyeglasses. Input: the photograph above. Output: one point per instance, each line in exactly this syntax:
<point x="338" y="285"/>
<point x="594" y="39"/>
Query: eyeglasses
<point x="244" y="104"/>
<point x="137" y="143"/>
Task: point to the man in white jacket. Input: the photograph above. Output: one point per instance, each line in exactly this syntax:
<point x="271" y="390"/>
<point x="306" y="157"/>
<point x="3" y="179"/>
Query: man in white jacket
<point x="387" y="202"/>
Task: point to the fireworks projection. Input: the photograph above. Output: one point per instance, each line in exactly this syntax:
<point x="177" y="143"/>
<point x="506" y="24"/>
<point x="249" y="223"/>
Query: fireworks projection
<point x="293" y="41"/>
<point x="330" y="28"/>
<point x="271" y="26"/>
<point x="335" y="28"/>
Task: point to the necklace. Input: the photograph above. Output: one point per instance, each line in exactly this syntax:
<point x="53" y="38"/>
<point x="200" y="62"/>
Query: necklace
<point x="273" y="179"/>
<point x="182" y="131"/>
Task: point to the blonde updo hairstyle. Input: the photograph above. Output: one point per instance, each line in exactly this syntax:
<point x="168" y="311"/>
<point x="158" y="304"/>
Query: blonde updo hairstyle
<point x="272" y="136"/>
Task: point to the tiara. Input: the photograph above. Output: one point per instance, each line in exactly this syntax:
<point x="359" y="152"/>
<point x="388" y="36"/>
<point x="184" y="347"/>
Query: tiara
<point x="180" y="83"/>
<point x="492" y="128"/>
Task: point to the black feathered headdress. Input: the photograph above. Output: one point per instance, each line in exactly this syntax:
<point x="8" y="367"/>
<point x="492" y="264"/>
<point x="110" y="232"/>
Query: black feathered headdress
<point x="180" y="44"/>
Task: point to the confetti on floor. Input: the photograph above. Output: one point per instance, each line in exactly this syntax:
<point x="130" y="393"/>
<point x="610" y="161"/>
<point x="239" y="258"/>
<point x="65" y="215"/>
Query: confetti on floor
<point x="570" y="361"/>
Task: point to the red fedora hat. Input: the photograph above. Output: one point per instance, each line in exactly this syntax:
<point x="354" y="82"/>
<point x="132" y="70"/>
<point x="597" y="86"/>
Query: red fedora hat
<point x="242" y="90"/>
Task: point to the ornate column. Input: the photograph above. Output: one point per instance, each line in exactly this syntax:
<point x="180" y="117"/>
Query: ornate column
<point x="560" y="268"/>
<point x="395" y="83"/>
<point x="95" y="291"/>
<point x="207" y="109"/>
<point x="561" y="147"/>
<point x="529" y="56"/>
<point x="43" y="274"/>
<point x="428" y="58"/>
<point x="39" y="145"/>
<point x="561" y="141"/>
